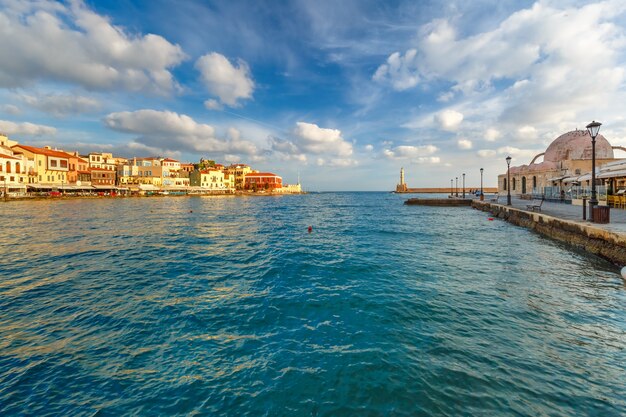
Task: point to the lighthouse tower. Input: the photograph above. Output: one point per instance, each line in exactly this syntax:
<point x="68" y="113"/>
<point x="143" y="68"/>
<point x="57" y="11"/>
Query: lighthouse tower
<point x="401" y="188"/>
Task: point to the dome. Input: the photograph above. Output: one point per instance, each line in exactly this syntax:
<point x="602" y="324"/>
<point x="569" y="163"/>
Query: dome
<point x="577" y="145"/>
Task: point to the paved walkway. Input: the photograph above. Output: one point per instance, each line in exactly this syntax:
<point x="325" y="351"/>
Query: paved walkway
<point x="569" y="212"/>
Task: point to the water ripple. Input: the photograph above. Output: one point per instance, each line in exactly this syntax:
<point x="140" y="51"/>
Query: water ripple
<point x="228" y="306"/>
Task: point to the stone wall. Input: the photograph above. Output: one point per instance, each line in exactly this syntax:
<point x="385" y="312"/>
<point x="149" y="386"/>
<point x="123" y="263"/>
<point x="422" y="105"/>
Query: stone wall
<point x="606" y="244"/>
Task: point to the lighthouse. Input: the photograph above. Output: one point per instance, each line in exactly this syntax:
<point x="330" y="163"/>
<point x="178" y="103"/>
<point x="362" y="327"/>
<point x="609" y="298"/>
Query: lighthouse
<point x="401" y="188"/>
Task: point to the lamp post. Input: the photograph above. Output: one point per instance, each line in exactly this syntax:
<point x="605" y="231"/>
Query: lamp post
<point x="593" y="128"/>
<point x="482" y="197"/>
<point x="463" y="185"/>
<point x="508" y="180"/>
<point x="451" y="187"/>
<point x="456" y="186"/>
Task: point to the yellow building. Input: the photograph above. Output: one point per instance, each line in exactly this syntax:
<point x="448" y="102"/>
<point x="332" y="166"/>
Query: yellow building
<point x="239" y="171"/>
<point x="50" y="167"/>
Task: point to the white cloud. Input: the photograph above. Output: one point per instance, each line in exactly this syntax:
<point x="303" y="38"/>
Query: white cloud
<point x="486" y="153"/>
<point x="369" y="148"/>
<point x="60" y="105"/>
<point x="448" y="119"/>
<point x="72" y="44"/>
<point x="311" y="138"/>
<point x="12" y="128"/>
<point x="491" y="135"/>
<point x="222" y="79"/>
<point x="464" y="144"/>
<point x="410" y="152"/>
<point x="171" y="131"/>
<point x="337" y="162"/>
<point x="562" y="62"/>
<point x="399" y="71"/>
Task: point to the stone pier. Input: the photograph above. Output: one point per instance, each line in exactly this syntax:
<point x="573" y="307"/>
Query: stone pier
<point x="593" y="238"/>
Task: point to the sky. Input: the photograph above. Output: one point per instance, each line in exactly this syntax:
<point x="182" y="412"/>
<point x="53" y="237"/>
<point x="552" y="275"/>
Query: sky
<point x="340" y="94"/>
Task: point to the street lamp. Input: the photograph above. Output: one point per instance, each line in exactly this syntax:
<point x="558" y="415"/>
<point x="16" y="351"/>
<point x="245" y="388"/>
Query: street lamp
<point x="451" y="187"/>
<point x="482" y="197"/>
<point x="593" y="128"/>
<point x="508" y="180"/>
<point x="463" y="185"/>
<point x="456" y="186"/>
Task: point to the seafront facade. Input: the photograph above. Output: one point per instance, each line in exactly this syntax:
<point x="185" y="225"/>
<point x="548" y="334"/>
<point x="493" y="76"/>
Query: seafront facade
<point x="32" y="171"/>
<point x="563" y="171"/>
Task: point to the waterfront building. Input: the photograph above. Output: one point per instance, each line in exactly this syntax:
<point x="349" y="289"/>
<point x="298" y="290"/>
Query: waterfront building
<point x="102" y="160"/>
<point x="50" y="167"/>
<point x="290" y="189"/>
<point x="13" y="168"/>
<point x="565" y="163"/>
<point x="239" y="171"/>
<point x="211" y="179"/>
<point x="102" y="179"/>
<point x="262" y="181"/>
<point x="187" y="168"/>
<point x="172" y="165"/>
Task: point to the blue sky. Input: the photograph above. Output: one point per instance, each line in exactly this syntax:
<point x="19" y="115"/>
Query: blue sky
<point x="343" y="93"/>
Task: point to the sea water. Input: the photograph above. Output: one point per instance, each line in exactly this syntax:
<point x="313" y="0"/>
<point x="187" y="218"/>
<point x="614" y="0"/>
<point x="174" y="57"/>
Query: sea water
<point x="229" y="306"/>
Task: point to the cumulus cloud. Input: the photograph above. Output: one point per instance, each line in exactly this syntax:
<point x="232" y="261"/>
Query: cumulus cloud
<point x="449" y="119"/>
<point x="61" y="105"/>
<point x="337" y="162"/>
<point x="171" y="131"/>
<point x="213" y="104"/>
<point x="230" y="83"/>
<point x="410" y="152"/>
<point x="369" y="148"/>
<point x="12" y="128"/>
<point x="540" y="53"/>
<point x="311" y="138"/>
<point x="70" y="43"/>
<point x="464" y="144"/>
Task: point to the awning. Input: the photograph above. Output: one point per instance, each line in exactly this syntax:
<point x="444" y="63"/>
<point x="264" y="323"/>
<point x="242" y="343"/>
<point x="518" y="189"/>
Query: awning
<point x="612" y="174"/>
<point x="148" y="187"/>
<point x="104" y="187"/>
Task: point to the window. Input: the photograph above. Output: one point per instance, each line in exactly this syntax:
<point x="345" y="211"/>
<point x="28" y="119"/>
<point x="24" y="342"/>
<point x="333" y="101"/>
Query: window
<point x="8" y="168"/>
<point x="40" y="162"/>
<point x="504" y="182"/>
<point x="12" y="179"/>
<point x="513" y="184"/>
<point x="53" y="163"/>
<point x="40" y="178"/>
<point x="63" y="164"/>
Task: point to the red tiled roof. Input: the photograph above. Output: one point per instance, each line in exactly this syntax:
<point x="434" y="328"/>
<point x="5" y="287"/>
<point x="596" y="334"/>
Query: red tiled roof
<point x="43" y="151"/>
<point x="169" y="160"/>
<point x="262" y="174"/>
<point x="9" y="157"/>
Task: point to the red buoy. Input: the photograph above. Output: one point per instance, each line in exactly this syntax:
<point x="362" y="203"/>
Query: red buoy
<point x="310" y="229"/>
<point x="490" y="219"/>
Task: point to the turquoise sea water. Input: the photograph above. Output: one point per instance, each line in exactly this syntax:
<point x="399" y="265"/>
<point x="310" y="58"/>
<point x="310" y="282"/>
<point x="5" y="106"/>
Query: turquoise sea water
<point x="227" y="306"/>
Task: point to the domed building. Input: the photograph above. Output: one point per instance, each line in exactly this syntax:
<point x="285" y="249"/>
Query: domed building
<point x="565" y="163"/>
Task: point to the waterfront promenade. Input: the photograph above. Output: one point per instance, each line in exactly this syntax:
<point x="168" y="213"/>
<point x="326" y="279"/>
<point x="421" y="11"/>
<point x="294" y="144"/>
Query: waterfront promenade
<point x="564" y="222"/>
<point x="571" y="212"/>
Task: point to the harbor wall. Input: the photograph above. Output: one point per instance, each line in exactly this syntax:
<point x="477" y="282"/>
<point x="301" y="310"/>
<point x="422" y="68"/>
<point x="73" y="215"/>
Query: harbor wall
<point x="601" y="242"/>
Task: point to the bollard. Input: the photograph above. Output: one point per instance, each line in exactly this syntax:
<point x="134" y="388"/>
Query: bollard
<point x="584" y="209"/>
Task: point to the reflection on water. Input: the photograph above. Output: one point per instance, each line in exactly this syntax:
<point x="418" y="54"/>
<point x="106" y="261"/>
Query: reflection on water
<point x="228" y="306"/>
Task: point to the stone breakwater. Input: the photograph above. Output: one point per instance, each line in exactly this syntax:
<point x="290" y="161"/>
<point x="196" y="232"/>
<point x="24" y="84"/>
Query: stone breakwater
<point x="441" y="202"/>
<point x="601" y="242"/>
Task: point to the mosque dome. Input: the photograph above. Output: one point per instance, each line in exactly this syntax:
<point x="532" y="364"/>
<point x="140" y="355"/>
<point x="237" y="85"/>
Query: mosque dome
<point x="577" y="145"/>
